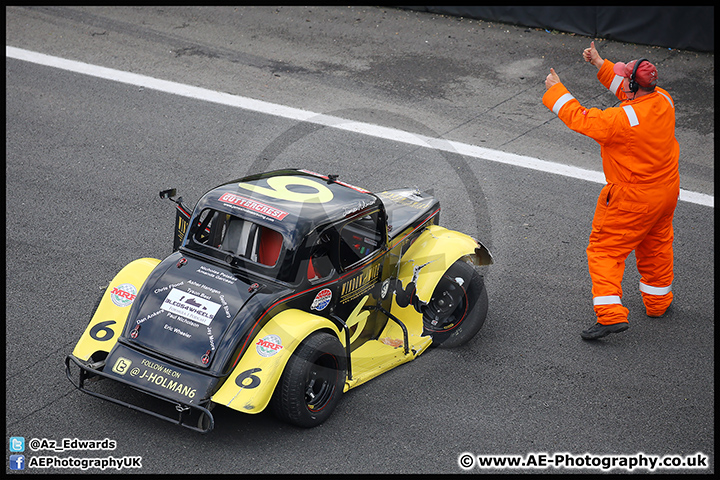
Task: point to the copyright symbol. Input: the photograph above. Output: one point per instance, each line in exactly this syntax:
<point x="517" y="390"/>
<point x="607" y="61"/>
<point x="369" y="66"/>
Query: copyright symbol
<point x="34" y="444"/>
<point x="466" y="461"/>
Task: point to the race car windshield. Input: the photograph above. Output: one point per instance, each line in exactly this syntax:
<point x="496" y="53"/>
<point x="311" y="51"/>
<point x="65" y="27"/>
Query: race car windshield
<point x="227" y="234"/>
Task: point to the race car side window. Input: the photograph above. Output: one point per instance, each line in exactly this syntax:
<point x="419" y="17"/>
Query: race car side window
<point x="358" y="239"/>
<point x="319" y="264"/>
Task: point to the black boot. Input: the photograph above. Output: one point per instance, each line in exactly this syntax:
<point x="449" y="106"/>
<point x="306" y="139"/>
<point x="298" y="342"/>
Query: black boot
<point x="599" y="330"/>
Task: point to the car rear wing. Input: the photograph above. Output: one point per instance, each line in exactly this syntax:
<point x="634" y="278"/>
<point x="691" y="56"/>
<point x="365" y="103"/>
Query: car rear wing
<point x="182" y="216"/>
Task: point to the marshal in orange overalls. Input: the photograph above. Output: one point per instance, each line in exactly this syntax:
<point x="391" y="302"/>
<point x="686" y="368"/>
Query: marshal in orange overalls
<point x="635" y="209"/>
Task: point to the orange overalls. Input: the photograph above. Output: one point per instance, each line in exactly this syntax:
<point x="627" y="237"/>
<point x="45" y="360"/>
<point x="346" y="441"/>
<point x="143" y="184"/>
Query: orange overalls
<point x="635" y="209"/>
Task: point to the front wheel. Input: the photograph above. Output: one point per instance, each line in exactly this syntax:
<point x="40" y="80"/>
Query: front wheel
<point x="458" y="306"/>
<point x="313" y="380"/>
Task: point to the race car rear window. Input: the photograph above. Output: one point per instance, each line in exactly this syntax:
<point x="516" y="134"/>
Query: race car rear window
<point x="237" y="236"/>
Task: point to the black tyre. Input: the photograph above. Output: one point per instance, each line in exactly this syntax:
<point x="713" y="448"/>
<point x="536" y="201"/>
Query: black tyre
<point x="458" y="306"/>
<point x="312" y="382"/>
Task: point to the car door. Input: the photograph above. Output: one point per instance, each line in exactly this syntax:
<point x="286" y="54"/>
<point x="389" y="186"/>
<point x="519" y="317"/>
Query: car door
<point x="359" y="256"/>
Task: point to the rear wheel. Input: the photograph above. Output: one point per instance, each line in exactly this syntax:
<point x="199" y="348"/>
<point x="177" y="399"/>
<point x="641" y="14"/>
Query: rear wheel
<point x="313" y="380"/>
<point x="458" y="306"/>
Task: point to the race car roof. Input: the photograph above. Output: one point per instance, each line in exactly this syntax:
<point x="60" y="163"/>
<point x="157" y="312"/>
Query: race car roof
<point x="293" y="202"/>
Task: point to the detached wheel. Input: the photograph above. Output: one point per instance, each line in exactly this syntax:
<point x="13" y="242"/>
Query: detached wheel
<point x="458" y="306"/>
<point x="313" y="380"/>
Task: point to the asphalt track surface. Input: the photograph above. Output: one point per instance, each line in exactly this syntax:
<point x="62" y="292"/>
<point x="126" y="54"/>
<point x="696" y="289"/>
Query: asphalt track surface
<point x="86" y="156"/>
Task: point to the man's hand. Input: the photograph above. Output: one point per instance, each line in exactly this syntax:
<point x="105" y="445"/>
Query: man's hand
<point x="551" y="79"/>
<point x="591" y="55"/>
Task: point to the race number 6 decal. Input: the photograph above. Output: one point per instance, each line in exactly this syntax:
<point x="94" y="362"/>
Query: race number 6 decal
<point x="309" y="190"/>
<point x="102" y="331"/>
<point x="248" y="375"/>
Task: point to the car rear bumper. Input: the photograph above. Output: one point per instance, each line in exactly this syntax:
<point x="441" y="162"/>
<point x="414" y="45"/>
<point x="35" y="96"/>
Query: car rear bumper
<point x="195" y="417"/>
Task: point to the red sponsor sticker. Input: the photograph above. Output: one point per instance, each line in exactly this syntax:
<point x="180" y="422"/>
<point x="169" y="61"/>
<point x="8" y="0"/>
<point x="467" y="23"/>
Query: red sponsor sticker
<point x="269" y="345"/>
<point x="253" y="205"/>
<point x="322" y="299"/>
<point x="123" y="295"/>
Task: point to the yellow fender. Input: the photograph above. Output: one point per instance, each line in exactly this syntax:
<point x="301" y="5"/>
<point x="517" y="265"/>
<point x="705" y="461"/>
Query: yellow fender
<point x="434" y="252"/>
<point x="253" y="380"/>
<point x="109" y="319"/>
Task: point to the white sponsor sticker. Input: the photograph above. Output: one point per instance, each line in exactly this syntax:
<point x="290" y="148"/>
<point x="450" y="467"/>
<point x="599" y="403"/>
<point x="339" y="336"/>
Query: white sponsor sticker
<point x="123" y="295"/>
<point x="190" y="306"/>
<point x="269" y="345"/>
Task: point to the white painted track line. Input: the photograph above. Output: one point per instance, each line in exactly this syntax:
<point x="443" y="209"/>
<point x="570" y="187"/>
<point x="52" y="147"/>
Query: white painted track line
<point x="327" y="120"/>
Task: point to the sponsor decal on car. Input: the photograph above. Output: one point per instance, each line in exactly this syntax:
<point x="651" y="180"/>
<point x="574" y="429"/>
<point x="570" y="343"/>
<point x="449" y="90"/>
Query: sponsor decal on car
<point x="253" y="205"/>
<point x="269" y="345"/>
<point x="123" y="295"/>
<point x="384" y="288"/>
<point x="322" y="299"/>
<point x="190" y="306"/>
<point x="360" y="285"/>
<point x="406" y="198"/>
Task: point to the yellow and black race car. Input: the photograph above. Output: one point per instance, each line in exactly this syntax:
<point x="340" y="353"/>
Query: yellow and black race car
<point x="286" y="289"/>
